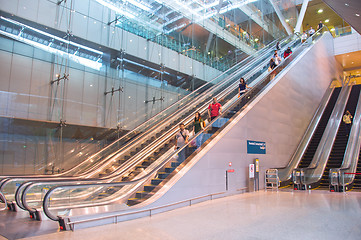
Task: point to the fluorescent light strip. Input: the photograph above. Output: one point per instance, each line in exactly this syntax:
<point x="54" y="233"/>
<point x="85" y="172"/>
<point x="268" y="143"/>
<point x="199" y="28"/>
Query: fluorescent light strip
<point x="233" y="6"/>
<point x="83" y="61"/>
<point x="116" y="9"/>
<point x="141" y="65"/>
<point x="52" y="36"/>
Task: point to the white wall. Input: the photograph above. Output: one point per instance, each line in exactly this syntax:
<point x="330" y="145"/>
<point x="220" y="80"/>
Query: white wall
<point x="280" y="119"/>
<point x="347" y="44"/>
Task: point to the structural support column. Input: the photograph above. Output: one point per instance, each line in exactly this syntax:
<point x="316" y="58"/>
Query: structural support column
<point x="301" y="16"/>
<point x="282" y="19"/>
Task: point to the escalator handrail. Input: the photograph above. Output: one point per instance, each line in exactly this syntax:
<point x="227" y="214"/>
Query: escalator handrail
<point x="48" y="194"/>
<point x="3" y="199"/>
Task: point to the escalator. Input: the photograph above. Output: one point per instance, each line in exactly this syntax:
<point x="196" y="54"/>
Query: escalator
<point x="339" y="146"/>
<point x="149" y="149"/>
<point x="150" y="180"/>
<point x="101" y="164"/>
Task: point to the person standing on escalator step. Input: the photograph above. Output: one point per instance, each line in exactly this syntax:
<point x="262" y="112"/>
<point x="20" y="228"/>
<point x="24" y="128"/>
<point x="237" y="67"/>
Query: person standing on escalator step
<point x="181" y="139"/>
<point x="198" y="125"/>
<point x="347" y="120"/>
<point x="242" y="87"/>
<point x="214" y="109"/>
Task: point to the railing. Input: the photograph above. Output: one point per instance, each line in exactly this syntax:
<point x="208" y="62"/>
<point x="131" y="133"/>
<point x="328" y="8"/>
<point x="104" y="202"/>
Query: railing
<point x="340" y="32"/>
<point x="272" y="180"/>
<point x="3" y="201"/>
<point x="342" y="180"/>
<point x="149" y="210"/>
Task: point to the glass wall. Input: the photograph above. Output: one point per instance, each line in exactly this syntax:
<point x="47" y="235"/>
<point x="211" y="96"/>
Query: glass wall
<point x="111" y="65"/>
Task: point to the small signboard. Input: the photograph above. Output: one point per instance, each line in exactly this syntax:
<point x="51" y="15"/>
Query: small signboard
<point x="256" y="147"/>
<point x="230" y="170"/>
<point x="251" y="171"/>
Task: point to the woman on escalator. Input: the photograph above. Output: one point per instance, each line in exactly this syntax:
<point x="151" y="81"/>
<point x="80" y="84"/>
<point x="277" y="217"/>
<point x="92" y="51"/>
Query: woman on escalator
<point x="242" y="87"/>
<point x="198" y="125"/>
<point x="347" y="120"/>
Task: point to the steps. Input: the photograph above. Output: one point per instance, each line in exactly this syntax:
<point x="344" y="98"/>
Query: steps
<point x="340" y="143"/>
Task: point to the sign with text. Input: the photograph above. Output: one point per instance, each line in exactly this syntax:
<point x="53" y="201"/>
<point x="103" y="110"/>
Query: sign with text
<point x="256" y="147"/>
<point x="251" y="171"/>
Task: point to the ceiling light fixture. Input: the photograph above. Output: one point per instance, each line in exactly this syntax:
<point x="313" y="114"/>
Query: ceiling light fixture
<point x="327" y="20"/>
<point x="357" y="15"/>
<point x="320" y="11"/>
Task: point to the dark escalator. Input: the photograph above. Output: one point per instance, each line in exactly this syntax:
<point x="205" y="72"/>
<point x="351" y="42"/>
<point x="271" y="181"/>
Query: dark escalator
<point x="339" y="146"/>
<point x="316" y="138"/>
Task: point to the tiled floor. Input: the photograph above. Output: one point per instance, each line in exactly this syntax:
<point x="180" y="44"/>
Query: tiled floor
<point x="262" y="215"/>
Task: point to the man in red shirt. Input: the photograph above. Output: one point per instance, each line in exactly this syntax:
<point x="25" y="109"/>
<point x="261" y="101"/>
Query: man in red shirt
<point x="214" y="109"/>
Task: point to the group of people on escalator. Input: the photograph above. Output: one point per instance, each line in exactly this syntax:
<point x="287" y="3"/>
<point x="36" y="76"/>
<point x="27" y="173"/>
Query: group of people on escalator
<point x="276" y="59"/>
<point x="214" y="110"/>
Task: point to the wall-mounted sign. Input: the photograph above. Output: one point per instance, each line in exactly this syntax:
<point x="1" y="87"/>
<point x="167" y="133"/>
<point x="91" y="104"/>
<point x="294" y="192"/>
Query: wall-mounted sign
<point x="256" y="147"/>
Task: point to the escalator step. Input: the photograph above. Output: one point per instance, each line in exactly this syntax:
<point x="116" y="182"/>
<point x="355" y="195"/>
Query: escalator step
<point x="133" y="201"/>
<point x="175" y="164"/>
<point x="163" y="175"/>
<point x="141" y="194"/>
<point x="169" y="170"/>
<point x="149" y="188"/>
<point x="156" y="181"/>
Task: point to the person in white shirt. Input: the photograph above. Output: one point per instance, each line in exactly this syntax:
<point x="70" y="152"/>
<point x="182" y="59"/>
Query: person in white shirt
<point x="304" y="36"/>
<point x="181" y="139"/>
<point x="311" y="31"/>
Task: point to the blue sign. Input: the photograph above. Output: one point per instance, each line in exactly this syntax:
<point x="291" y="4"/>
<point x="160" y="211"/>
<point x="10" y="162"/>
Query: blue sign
<point x="255" y="147"/>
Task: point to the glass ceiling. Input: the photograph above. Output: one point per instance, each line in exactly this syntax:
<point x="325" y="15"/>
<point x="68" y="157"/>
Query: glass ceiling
<point x="167" y="16"/>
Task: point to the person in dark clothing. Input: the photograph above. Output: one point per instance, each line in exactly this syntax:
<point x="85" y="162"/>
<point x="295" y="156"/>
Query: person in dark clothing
<point x="242" y="87"/>
<point x="278" y="47"/>
<point x="320" y="25"/>
<point x="287" y="52"/>
<point x="198" y="125"/>
<point x="272" y="64"/>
